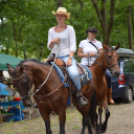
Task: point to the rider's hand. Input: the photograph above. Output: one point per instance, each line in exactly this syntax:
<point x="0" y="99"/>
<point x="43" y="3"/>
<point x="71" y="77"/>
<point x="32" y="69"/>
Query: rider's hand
<point x="69" y="62"/>
<point x="92" y="54"/>
<point x="87" y="55"/>
<point x="55" y="41"/>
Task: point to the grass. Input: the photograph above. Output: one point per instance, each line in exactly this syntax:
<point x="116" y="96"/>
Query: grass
<point x="36" y="125"/>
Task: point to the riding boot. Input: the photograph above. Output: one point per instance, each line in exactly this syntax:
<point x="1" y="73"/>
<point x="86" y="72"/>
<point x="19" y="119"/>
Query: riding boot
<point x="110" y="100"/>
<point x="81" y="100"/>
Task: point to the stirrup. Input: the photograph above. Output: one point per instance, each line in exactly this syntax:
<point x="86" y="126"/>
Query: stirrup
<point x="81" y="100"/>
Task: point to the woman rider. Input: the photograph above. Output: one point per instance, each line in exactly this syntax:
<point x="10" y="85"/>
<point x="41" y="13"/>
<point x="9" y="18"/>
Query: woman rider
<point x="64" y="35"/>
<point x="88" y="50"/>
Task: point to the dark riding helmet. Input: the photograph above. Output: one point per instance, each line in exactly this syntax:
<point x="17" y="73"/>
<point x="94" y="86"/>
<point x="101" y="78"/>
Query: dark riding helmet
<point x="92" y="30"/>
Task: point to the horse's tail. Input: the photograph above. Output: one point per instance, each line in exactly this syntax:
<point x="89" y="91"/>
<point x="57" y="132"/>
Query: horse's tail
<point x="92" y="111"/>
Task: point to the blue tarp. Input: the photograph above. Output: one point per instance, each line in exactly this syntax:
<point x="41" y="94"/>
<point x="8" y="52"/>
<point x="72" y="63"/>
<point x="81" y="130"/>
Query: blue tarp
<point x="5" y="90"/>
<point x="2" y="85"/>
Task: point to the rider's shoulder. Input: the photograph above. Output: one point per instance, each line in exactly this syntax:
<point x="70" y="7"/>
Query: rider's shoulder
<point x="69" y="27"/>
<point x="52" y="29"/>
<point x="97" y="41"/>
<point x="82" y="43"/>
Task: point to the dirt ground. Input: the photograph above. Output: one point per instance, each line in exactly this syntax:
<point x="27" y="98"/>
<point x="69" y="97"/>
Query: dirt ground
<point x="121" y="121"/>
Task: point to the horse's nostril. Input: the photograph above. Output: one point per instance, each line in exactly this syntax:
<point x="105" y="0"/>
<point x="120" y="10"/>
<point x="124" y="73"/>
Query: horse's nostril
<point x="116" y="74"/>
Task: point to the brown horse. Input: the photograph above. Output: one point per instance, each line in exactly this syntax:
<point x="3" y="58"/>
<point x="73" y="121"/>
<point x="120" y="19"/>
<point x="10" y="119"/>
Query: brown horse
<point x="51" y="96"/>
<point x="108" y="59"/>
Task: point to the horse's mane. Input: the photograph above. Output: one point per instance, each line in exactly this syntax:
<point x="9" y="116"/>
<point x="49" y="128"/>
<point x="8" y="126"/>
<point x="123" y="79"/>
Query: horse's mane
<point x="97" y="58"/>
<point x="32" y="60"/>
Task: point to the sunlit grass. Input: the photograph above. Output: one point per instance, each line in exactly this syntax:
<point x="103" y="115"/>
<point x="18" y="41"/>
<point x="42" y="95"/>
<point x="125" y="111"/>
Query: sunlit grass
<point x="36" y="125"/>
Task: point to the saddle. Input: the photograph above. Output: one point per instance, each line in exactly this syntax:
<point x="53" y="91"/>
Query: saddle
<point x="58" y="61"/>
<point x="81" y="70"/>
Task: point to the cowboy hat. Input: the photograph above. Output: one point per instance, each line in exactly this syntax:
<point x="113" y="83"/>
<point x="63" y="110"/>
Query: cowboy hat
<point x="62" y="10"/>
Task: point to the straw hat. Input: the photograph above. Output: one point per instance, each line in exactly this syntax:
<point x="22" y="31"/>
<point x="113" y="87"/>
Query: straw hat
<point x="62" y="10"/>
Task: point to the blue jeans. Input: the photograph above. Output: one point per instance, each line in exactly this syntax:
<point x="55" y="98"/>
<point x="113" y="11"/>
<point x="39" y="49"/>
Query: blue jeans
<point x="73" y="72"/>
<point x="108" y="78"/>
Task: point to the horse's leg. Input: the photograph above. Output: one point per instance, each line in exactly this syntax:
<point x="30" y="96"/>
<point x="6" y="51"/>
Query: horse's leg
<point x="104" y="125"/>
<point x="62" y="120"/>
<point x="46" y="117"/>
<point x="100" y="121"/>
<point x="89" y="127"/>
<point x="85" y="123"/>
<point x="97" y="125"/>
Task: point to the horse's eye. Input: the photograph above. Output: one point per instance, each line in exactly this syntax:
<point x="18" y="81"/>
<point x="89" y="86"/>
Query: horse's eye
<point x="23" y="84"/>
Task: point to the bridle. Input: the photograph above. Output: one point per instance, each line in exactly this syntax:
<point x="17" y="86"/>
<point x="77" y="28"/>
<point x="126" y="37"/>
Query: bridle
<point x="37" y="90"/>
<point x="108" y="65"/>
<point x="28" y="85"/>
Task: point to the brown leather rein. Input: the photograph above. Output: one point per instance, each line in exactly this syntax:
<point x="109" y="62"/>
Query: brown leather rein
<point x="34" y="93"/>
<point x="108" y="66"/>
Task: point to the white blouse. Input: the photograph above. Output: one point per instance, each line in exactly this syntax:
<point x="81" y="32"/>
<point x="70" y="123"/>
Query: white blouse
<point x="88" y="47"/>
<point x="67" y="40"/>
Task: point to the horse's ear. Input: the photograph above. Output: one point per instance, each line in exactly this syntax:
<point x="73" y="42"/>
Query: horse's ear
<point x="117" y="47"/>
<point x="21" y="68"/>
<point x="9" y="68"/>
<point x="105" y="46"/>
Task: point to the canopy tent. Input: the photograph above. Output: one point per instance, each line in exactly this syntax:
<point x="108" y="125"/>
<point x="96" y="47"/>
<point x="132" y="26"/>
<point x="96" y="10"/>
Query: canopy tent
<point x="5" y="90"/>
<point x="13" y="61"/>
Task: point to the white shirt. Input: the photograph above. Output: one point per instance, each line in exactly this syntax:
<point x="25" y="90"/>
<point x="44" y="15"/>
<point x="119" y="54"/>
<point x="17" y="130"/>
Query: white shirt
<point x="67" y="40"/>
<point x="88" y="47"/>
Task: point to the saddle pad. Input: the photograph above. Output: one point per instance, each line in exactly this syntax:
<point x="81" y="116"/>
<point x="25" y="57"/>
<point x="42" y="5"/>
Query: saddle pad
<point x="83" y="79"/>
<point x="60" y="74"/>
<point x="85" y="76"/>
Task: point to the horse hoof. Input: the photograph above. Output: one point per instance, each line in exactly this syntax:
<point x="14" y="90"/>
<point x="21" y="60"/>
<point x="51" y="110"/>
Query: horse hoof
<point x="98" y="133"/>
<point x="103" y="131"/>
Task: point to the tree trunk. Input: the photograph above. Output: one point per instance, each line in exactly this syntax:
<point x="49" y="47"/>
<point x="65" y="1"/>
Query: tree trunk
<point x="59" y="3"/>
<point x="41" y="52"/>
<point x="133" y="25"/>
<point x="20" y="39"/>
<point x="24" y="52"/>
<point x="81" y="4"/>
<point x="102" y="18"/>
<point x="103" y="11"/>
<point x="15" y="39"/>
<point x="130" y="39"/>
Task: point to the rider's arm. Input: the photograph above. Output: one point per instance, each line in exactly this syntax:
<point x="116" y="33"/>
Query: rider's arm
<point x="100" y="50"/>
<point x="80" y="53"/>
<point x="51" y="41"/>
<point x="72" y="40"/>
<point x="71" y="54"/>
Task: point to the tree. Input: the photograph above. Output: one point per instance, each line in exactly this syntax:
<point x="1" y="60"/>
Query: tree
<point x="130" y="39"/>
<point x="59" y="3"/>
<point x="106" y="27"/>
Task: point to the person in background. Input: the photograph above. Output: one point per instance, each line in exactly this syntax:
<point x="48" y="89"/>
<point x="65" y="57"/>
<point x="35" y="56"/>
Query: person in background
<point x="64" y="35"/>
<point x="88" y="50"/>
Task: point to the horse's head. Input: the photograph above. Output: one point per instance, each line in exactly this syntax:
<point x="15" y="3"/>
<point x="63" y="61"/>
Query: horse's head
<point x="112" y="59"/>
<point x="21" y="82"/>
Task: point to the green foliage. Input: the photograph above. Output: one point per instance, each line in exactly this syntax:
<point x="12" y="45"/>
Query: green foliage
<point x="25" y="23"/>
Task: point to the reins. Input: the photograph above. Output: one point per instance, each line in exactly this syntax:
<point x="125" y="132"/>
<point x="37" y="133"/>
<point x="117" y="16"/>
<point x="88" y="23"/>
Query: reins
<point x="37" y="90"/>
<point x="108" y="66"/>
<point x="19" y="77"/>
